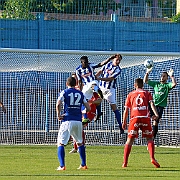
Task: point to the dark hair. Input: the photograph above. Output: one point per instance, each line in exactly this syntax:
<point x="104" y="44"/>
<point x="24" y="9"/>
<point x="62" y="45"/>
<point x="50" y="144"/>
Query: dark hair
<point x="165" y="72"/>
<point x="139" y="82"/>
<point x="84" y="58"/>
<point x="118" y="55"/>
<point x="71" y="81"/>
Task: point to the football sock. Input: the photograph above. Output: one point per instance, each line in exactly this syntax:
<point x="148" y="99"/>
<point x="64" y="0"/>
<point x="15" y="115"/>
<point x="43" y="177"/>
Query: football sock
<point x="98" y="109"/>
<point x="151" y="148"/>
<point x="61" y="155"/>
<point x="118" y="117"/>
<point x="155" y="130"/>
<point x="85" y="116"/>
<point x="127" y="150"/>
<point x="75" y="145"/>
<point x="82" y="154"/>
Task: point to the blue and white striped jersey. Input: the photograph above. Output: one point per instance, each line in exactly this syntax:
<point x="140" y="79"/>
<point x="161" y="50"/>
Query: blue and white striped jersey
<point x="73" y="100"/>
<point x="86" y="74"/>
<point x="109" y="70"/>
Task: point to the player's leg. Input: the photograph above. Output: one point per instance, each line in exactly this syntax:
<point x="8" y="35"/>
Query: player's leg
<point x="76" y="132"/>
<point x="110" y="96"/>
<point x="63" y="138"/>
<point x="127" y="150"/>
<point x="99" y="113"/>
<point x="147" y="132"/>
<point x="132" y="134"/>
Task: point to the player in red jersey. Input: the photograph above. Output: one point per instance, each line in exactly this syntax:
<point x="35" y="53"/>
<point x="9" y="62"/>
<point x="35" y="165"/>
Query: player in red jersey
<point x="94" y="100"/>
<point x="137" y="102"/>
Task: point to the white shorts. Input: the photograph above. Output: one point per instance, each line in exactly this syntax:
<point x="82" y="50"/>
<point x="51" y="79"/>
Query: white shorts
<point x="67" y="128"/>
<point x="109" y="95"/>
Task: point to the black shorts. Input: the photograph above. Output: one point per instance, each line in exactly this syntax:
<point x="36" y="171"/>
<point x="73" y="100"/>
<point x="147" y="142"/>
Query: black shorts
<point x="159" y="110"/>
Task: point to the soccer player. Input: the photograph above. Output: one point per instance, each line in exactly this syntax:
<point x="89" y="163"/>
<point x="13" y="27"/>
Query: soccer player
<point x="107" y="76"/>
<point x="94" y="100"/>
<point x="138" y="102"/>
<point x="85" y="75"/>
<point x="71" y="118"/>
<point x="2" y="106"/>
<point x="161" y="91"/>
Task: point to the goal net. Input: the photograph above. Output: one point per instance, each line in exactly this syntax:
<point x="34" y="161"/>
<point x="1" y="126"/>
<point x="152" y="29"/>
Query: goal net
<point x="31" y="79"/>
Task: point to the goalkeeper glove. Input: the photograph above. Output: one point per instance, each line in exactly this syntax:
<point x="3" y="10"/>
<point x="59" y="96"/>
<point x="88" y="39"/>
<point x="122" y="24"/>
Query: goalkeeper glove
<point x="170" y="72"/>
<point x="149" y="70"/>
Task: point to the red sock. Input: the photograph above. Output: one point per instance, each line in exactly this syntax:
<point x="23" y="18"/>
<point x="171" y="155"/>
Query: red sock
<point x="127" y="150"/>
<point x="151" y="148"/>
<point x="75" y="145"/>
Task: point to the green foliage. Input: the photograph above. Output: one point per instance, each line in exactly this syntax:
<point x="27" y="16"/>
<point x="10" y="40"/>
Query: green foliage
<point x="17" y="10"/>
<point x="104" y="162"/>
<point x="176" y="18"/>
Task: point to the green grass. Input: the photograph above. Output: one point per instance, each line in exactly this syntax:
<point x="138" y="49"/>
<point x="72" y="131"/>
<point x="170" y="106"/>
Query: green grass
<point x="104" y="162"/>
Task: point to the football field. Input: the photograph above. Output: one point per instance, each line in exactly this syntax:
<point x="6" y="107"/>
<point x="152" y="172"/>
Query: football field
<point x="104" y="162"/>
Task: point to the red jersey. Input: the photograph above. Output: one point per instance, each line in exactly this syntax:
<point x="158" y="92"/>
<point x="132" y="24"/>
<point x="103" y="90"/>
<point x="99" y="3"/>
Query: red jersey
<point x="138" y="102"/>
<point x="92" y="113"/>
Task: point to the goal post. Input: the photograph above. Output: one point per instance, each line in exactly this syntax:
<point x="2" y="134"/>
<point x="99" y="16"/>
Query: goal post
<point x="30" y="80"/>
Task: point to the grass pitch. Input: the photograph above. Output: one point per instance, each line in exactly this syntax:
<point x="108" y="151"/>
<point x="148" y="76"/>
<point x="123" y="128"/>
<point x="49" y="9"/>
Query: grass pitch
<point x="104" y="162"/>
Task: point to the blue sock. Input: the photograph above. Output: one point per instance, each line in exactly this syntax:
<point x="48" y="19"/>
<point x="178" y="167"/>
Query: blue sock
<point x="118" y="117"/>
<point x="82" y="154"/>
<point x="98" y="109"/>
<point x="85" y="116"/>
<point x="61" y="155"/>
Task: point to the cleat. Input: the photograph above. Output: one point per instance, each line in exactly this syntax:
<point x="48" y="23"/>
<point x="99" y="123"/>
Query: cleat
<point x="85" y="121"/>
<point x="156" y="164"/>
<point x="73" y="151"/>
<point x="124" y="165"/>
<point x="61" y="168"/>
<point x="82" y="167"/>
<point x="98" y="117"/>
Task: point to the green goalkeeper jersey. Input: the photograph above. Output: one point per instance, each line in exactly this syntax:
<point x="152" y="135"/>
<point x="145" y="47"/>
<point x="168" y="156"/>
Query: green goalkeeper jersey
<point x="161" y="92"/>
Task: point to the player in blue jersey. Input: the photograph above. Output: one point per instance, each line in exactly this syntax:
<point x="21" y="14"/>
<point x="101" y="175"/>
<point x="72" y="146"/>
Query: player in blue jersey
<point x="2" y="106"/>
<point x="71" y="119"/>
<point x="107" y="76"/>
<point x="85" y="74"/>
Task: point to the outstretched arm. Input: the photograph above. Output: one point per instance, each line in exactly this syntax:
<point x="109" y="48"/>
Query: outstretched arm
<point x="106" y="61"/>
<point x="170" y="73"/>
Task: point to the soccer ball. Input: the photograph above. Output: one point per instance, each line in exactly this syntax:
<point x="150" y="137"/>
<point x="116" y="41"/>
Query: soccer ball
<point x="148" y="63"/>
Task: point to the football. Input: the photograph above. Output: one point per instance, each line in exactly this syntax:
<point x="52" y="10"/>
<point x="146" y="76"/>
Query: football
<point x="148" y="63"/>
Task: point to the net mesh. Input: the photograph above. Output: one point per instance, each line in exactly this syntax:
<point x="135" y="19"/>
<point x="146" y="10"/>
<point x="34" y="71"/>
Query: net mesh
<point x="30" y="82"/>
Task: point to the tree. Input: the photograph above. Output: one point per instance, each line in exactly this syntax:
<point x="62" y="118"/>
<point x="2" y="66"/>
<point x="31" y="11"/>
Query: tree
<point x="17" y="10"/>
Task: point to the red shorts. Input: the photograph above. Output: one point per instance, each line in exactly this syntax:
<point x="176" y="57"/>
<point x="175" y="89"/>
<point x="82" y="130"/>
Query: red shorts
<point x="144" y="124"/>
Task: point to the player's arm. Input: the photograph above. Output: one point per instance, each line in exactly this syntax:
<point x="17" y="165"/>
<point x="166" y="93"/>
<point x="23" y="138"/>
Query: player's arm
<point x="125" y="115"/>
<point x="106" y="79"/>
<point x="98" y="73"/>
<point x="97" y="101"/>
<point x="80" y="84"/>
<point x="2" y="106"/>
<point x="79" y="80"/>
<point x="106" y="61"/>
<point x="88" y="108"/>
<point x="146" y="77"/>
<point x="170" y="73"/>
<point x="58" y="109"/>
<point x="153" y="107"/>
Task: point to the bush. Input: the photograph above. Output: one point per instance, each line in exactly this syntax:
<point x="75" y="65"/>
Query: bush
<point x="176" y="18"/>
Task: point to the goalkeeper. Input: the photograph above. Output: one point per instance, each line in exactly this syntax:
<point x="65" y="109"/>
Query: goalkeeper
<point x="161" y="91"/>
